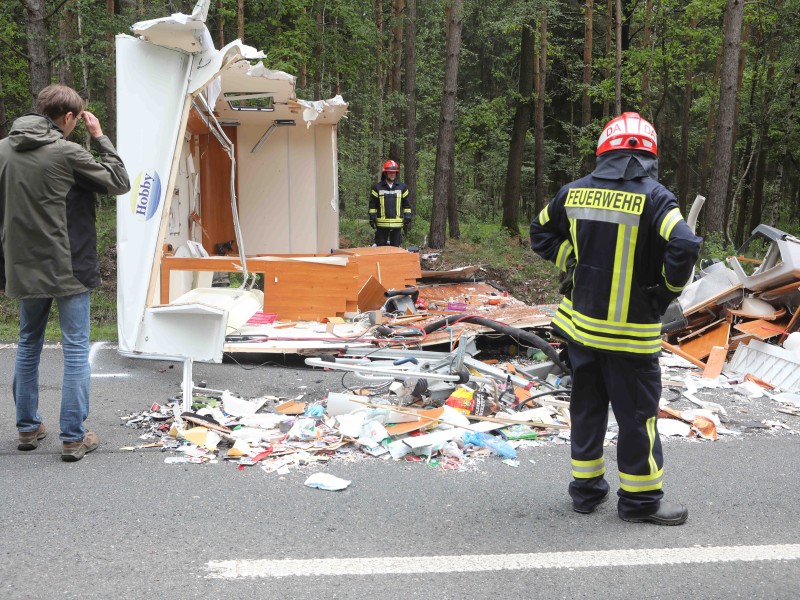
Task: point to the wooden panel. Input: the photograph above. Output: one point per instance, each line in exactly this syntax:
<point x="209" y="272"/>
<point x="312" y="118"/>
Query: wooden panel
<point x="215" y="194"/>
<point x="762" y="329"/>
<point x="701" y="346"/>
<point x="393" y="268"/>
<point x="371" y="296"/>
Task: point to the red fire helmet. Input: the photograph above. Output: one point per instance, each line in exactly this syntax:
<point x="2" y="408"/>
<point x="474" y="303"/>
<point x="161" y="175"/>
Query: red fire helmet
<point x="629" y="131"/>
<point x="391" y="166"/>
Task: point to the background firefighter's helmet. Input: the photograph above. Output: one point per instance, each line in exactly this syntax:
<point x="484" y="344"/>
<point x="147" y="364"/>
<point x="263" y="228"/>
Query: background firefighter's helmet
<point x="628" y="131"/>
<point x="391" y="166"/>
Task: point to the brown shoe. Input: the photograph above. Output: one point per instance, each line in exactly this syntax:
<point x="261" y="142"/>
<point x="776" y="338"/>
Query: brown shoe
<point x="74" y="451"/>
<point x="29" y="440"/>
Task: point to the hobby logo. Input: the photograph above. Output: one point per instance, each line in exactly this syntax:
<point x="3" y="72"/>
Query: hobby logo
<point x="147" y="196"/>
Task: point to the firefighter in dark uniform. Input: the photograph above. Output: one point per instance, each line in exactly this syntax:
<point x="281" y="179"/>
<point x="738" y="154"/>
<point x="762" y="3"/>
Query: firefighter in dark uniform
<point x="389" y="207"/>
<point x="625" y="251"/>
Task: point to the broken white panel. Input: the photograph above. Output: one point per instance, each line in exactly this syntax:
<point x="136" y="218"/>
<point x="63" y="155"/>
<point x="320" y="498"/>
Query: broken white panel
<point x="177" y="31"/>
<point x="773" y="364"/>
<point x="670" y="427"/>
<point x="705" y="288"/>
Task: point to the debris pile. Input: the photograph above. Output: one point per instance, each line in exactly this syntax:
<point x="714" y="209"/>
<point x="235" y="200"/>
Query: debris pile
<point x="445" y="409"/>
<point x="740" y="318"/>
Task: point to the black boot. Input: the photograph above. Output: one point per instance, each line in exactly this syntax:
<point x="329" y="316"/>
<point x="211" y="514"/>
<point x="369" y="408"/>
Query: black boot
<point x="668" y="513"/>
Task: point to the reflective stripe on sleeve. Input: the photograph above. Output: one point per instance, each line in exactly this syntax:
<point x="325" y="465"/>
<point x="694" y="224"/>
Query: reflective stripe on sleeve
<point x="668" y="223"/>
<point x="564" y="252"/>
<point x="544" y="216"/>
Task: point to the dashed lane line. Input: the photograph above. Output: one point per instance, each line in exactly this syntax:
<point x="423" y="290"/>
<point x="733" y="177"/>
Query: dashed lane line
<point x="331" y="567"/>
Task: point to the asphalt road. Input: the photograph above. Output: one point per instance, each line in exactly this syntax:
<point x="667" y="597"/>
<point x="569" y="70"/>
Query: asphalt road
<point x="128" y="525"/>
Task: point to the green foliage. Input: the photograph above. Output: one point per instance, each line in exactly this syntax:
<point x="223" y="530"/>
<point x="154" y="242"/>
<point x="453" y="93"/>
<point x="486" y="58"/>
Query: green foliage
<point x="344" y="47"/>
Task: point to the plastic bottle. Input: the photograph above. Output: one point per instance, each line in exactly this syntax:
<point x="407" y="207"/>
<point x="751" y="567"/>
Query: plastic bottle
<point x="485" y="440"/>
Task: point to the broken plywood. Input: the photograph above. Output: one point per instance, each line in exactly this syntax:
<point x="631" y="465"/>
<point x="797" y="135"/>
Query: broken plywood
<point x="700" y="346"/>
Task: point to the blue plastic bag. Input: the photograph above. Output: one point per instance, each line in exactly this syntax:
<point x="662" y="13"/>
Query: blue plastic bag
<point x="485" y="440"/>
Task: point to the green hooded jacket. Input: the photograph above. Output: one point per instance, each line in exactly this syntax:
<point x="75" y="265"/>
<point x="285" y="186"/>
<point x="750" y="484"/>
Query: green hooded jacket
<point x="47" y="209"/>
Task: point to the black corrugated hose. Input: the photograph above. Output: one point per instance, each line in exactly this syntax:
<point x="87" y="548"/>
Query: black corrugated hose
<point x="522" y="335"/>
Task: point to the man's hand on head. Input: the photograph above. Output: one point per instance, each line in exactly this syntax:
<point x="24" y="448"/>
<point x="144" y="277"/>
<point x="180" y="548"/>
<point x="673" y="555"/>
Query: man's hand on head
<point x="92" y="124"/>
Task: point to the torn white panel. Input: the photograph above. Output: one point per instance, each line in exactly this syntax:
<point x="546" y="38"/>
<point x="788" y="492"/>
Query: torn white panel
<point x="335" y="107"/>
<point x="773" y="364"/>
<point x="177" y="31"/>
<point x="705" y="288"/>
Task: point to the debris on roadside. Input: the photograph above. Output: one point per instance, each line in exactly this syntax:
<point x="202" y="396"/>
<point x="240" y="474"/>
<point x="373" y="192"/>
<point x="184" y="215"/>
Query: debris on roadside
<point x="741" y="318"/>
<point x="732" y="368"/>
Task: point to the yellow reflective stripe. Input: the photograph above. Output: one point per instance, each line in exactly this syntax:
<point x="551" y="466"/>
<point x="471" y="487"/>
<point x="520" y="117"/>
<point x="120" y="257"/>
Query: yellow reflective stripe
<point x="577" y="474"/>
<point x="670" y="220"/>
<point x="614" y="300"/>
<point x="638" y="330"/>
<point x="544" y="216"/>
<point x="373" y="210"/>
<point x="564" y="250"/>
<point x="672" y="288"/>
<point x="677" y="289"/>
<point x="573" y="233"/>
<point x="586" y="469"/>
<point x="636" y="338"/>
<point x="628" y="279"/>
<point x="651" y="435"/>
<point x="588" y="463"/>
<point x="606" y="343"/>
<point x="641" y="483"/>
<point x="405" y="193"/>
<point x="374" y="193"/>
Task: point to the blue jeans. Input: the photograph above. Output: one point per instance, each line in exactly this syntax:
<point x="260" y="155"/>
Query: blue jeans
<point x="73" y="312"/>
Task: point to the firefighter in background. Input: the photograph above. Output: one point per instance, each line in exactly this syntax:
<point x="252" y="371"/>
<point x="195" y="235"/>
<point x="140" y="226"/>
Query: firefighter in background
<point x="389" y="207"/>
<point x="619" y="239"/>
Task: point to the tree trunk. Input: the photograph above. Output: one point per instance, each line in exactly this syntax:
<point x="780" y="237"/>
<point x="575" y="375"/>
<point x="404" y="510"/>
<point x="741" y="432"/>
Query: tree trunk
<point x="3" y="122"/>
<point x="618" y="69"/>
<point x="512" y="192"/>
<point x="110" y="126"/>
<point x="683" y="159"/>
<point x="220" y="25"/>
<point x="410" y="154"/>
<point x="377" y="147"/>
<point x="319" y="56"/>
<point x="240" y="19"/>
<point x="38" y="53"/>
<point x="586" y="100"/>
<point x="540" y="199"/>
<point x="646" y="43"/>
<point x="397" y="69"/>
<point x="66" y="24"/>
<point x="726" y="118"/>
<point x="607" y="70"/>
<point x="444" y="202"/>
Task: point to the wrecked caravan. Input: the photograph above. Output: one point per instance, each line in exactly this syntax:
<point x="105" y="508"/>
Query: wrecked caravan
<point x="223" y="158"/>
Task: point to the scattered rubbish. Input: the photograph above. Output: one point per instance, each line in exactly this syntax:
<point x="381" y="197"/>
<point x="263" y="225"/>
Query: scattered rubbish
<point x="326" y="481"/>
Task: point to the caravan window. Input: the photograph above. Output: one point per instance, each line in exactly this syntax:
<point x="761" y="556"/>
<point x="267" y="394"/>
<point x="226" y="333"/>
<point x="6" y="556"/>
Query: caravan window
<point x="245" y="101"/>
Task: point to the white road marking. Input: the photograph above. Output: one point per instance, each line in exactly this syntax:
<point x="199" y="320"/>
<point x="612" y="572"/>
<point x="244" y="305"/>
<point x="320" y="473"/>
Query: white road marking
<point x="95" y="348"/>
<point x="232" y="569"/>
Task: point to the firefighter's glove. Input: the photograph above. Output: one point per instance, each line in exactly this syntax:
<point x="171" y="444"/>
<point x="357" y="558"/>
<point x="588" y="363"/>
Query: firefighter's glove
<point x="565" y="287"/>
<point x="660" y="298"/>
<point x="406" y="225"/>
<point x="373" y="223"/>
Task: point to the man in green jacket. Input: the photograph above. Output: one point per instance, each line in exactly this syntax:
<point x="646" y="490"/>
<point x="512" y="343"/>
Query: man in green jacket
<point x="49" y="252"/>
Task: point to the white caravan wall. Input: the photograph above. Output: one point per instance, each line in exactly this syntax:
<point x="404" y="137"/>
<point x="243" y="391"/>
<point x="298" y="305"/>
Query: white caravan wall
<point x="263" y="191"/>
<point x="328" y="189"/>
<point x="278" y="191"/>
<point x="151" y="87"/>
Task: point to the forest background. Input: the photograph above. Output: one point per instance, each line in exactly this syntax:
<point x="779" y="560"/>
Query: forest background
<point x="489" y="107"/>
